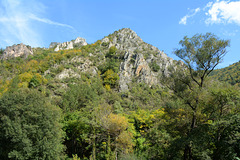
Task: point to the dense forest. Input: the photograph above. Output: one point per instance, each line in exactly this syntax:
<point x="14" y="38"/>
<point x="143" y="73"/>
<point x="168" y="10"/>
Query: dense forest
<point x="228" y="74"/>
<point x="191" y="113"/>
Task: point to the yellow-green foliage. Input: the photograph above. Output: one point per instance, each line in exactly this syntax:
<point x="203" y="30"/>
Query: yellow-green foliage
<point x="75" y="157"/>
<point x="4" y="85"/>
<point x="230" y="74"/>
<point x="145" y="119"/>
<point x="32" y="65"/>
<point x="25" y="79"/>
<point x="110" y="78"/>
<point x="117" y="125"/>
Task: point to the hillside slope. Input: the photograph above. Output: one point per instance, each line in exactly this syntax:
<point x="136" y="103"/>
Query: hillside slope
<point x="122" y="52"/>
<point x="230" y="74"/>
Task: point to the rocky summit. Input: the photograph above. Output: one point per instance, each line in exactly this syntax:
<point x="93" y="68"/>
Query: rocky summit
<point x="19" y="50"/>
<point x="78" y="42"/>
<point x="141" y="61"/>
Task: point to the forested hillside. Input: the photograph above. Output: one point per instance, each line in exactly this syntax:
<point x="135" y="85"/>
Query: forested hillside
<point x="230" y="74"/>
<point x="118" y="98"/>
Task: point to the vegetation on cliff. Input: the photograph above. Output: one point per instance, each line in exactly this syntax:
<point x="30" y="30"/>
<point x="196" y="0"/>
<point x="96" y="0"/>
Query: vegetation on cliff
<point x="119" y="98"/>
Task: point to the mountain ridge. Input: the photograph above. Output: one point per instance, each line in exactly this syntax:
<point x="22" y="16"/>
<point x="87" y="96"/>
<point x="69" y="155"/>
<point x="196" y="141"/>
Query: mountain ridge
<point x="132" y="59"/>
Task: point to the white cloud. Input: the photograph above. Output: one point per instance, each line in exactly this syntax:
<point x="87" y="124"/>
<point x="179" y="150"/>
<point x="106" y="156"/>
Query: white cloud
<point x="193" y="13"/>
<point x="223" y="12"/>
<point x="183" y="20"/>
<point x="208" y="6"/>
<point x="17" y="22"/>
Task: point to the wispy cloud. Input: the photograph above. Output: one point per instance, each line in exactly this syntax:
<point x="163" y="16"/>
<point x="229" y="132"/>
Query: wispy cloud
<point x="17" y="19"/>
<point x="224" y="12"/>
<point x="48" y="21"/>
<point x="229" y="33"/>
<point x="191" y="14"/>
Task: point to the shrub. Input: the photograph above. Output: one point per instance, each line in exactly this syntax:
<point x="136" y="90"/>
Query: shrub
<point x="154" y="66"/>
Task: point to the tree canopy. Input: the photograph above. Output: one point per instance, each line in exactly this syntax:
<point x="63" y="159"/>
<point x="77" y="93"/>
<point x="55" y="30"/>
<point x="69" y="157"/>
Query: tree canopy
<point x="202" y="53"/>
<point x="29" y="127"/>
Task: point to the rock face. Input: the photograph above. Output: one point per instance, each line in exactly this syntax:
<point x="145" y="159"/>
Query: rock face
<point x="54" y="44"/>
<point x="142" y="62"/>
<point x="19" y="50"/>
<point x="78" y="42"/>
<point x="82" y="65"/>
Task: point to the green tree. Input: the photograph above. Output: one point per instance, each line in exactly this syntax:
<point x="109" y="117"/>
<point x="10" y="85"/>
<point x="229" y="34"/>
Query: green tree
<point x="110" y="78"/>
<point x="201" y="54"/>
<point x="1" y="51"/>
<point x="223" y="117"/>
<point x="154" y="66"/>
<point x="112" y="52"/>
<point x="77" y="126"/>
<point x="78" y="96"/>
<point x="29" y="126"/>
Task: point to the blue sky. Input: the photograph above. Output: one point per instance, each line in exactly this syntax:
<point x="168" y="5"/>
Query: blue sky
<point x="161" y="23"/>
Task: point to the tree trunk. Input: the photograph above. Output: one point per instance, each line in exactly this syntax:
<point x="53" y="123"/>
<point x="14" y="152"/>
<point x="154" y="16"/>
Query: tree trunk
<point x="188" y="149"/>
<point x="194" y="119"/>
<point x="187" y="153"/>
<point x="116" y="152"/>
<point x="94" y="144"/>
<point x="108" y="147"/>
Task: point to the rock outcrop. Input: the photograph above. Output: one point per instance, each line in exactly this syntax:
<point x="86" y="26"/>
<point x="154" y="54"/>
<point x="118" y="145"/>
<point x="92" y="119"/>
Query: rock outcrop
<point x="19" y="50"/>
<point x="139" y="60"/>
<point x="81" y="64"/>
<point x="53" y="44"/>
<point x="78" y="42"/>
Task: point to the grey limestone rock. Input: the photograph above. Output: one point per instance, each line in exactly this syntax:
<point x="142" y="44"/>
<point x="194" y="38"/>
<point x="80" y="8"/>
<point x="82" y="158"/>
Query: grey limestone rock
<point x="68" y="45"/>
<point x="138" y="59"/>
<point x="82" y="65"/>
<point x="53" y="44"/>
<point x="19" y="50"/>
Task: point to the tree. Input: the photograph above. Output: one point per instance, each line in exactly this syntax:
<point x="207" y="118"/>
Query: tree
<point x="201" y="54"/>
<point x="112" y="52"/>
<point x="1" y="51"/>
<point x="115" y="126"/>
<point x="223" y="114"/>
<point x="110" y="78"/>
<point x="29" y="126"/>
<point x="78" y="96"/>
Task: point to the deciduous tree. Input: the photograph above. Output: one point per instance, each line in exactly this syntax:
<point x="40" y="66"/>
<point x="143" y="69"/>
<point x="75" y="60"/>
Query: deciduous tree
<point x="201" y="54"/>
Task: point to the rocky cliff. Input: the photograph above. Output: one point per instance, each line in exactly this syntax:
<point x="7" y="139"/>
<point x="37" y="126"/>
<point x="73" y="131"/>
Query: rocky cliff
<point x="78" y="42"/>
<point x="142" y="62"/>
<point x="139" y="61"/>
<point x="19" y="50"/>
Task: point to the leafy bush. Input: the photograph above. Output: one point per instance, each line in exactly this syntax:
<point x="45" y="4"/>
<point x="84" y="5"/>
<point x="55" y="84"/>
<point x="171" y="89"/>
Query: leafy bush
<point x="112" y="52"/>
<point x="110" y="78"/>
<point x="154" y="66"/>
